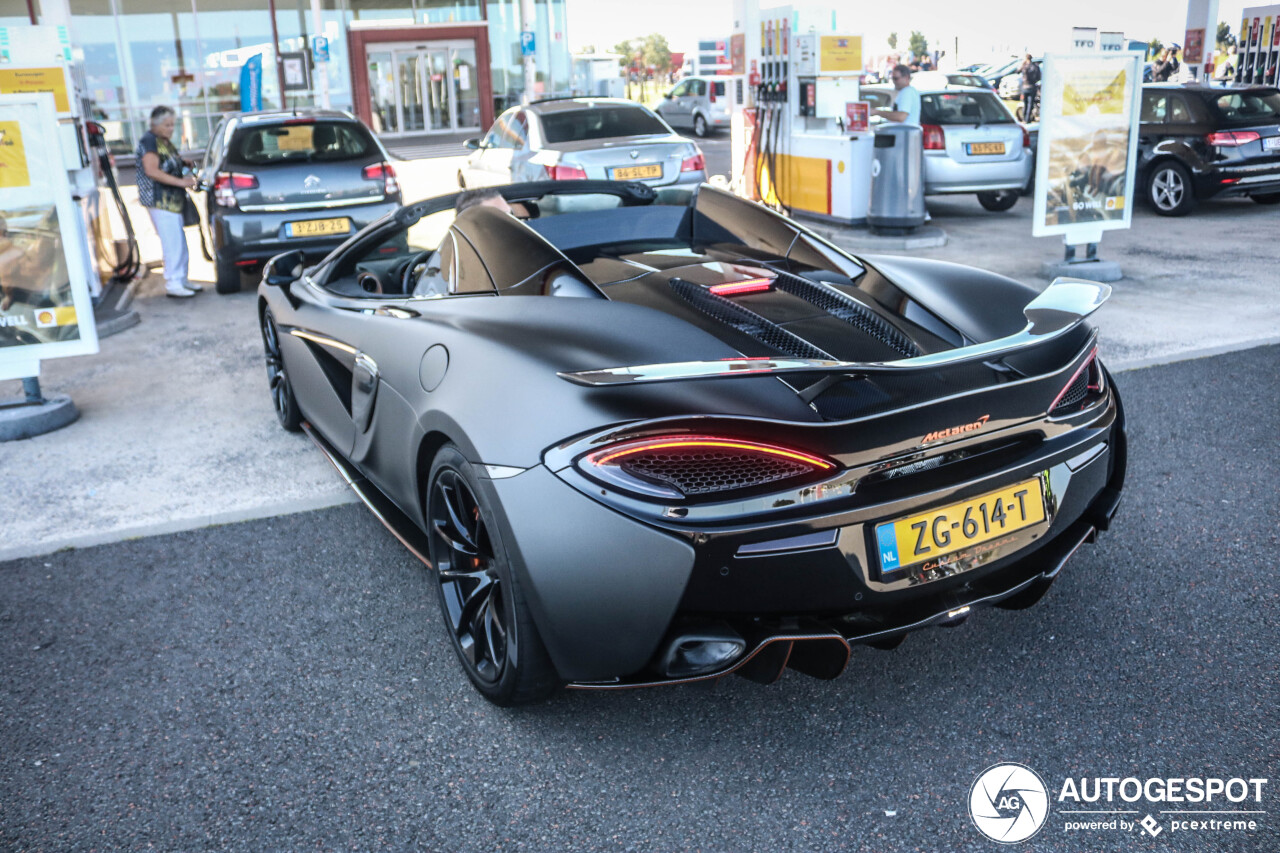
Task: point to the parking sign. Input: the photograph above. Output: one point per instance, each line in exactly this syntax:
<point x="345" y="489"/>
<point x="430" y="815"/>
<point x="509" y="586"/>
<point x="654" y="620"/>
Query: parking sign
<point x="527" y="45"/>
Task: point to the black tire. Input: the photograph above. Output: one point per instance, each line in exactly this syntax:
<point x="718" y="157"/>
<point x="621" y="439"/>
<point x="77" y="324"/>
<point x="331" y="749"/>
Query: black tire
<point x="226" y="275"/>
<point x="998" y="200"/>
<point x="282" y="398"/>
<point x="700" y="128"/>
<point x="1266" y="198"/>
<point x="482" y="605"/>
<point x="1169" y="189"/>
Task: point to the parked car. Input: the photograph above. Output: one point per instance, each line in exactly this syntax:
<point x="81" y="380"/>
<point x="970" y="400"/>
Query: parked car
<point x="997" y="71"/>
<point x="972" y="144"/>
<point x="698" y="103"/>
<point x="943" y="79"/>
<point x="1010" y="86"/>
<point x="1197" y="142"/>
<point x="653" y="436"/>
<point x="298" y="179"/>
<point x="580" y="138"/>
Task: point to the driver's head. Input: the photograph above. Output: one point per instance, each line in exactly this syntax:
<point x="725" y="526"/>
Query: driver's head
<point x="488" y="196"/>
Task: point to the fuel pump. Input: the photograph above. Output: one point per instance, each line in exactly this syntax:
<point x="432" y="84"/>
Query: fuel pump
<point x="792" y="146"/>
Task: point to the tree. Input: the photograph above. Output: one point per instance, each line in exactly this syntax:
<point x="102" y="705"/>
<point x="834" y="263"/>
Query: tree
<point x="656" y="53"/>
<point x="626" y="51"/>
<point x="919" y="44"/>
<point x="1225" y="39"/>
<point x="588" y="49"/>
<point x="1154" y="47"/>
<point x="893" y="41"/>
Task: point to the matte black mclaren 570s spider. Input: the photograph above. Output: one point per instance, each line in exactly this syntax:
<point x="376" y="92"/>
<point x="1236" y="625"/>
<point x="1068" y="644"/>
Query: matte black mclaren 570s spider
<point x="654" y="436"/>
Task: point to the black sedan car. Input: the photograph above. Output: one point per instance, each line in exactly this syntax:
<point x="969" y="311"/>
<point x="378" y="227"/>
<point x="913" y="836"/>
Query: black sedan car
<point x="305" y="179"/>
<point x="650" y="436"/>
<point x="1200" y="142"/>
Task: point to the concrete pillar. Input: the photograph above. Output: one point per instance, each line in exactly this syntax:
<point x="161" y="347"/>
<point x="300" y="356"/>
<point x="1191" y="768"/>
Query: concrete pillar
<point x="1202" y="15"/>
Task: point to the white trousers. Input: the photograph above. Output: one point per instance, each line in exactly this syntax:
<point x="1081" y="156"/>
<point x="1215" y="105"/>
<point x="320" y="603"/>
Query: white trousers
<point x="173" y="245"/>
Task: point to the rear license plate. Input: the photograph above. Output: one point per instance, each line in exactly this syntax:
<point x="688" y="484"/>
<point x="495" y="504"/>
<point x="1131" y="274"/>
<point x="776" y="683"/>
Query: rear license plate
<point x="631" y="173"/>
<point x="317" y="228"/>
<point x="948" y="529"/>
<point x="984" y="147"/>
<point x="1271" y="143"/>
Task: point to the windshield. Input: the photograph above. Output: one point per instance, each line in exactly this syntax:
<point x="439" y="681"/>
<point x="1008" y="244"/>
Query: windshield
<point x="601" y="123"/>
<point x="320" y="141"/>
<point x="963" y="108"/>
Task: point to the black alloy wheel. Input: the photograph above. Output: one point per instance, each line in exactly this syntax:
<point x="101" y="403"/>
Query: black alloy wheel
<point x="699" y="126"/>
<point x="282" y="398"/>
<point x="998" y="200"/>
<point x="1169" y="189"/>
<point x="484" y="611"/>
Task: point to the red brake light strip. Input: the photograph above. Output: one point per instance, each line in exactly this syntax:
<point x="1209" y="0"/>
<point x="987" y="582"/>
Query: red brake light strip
<point x="751" y="285"/>
<point x="702" y="441"/>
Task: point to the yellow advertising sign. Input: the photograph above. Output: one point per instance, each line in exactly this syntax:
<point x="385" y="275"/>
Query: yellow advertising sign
<point x="1101" y="92"/>
<point x="839" y="53"/>
<point x="19" y="81"/>
<point x="13" y="157"/>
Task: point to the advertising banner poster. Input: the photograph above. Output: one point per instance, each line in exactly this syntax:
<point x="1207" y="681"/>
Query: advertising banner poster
<point x="1088" y="144"/>
<point x="45" y="307"/>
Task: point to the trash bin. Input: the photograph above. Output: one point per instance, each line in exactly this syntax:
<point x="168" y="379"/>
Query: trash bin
<point x="897" y="180"/>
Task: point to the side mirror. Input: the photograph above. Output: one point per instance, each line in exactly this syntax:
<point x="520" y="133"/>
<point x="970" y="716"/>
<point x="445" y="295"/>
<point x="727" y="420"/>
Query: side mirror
<point x="284" y="269"/>
<point x="667" y="96"/>
<point x="472" y="144"/>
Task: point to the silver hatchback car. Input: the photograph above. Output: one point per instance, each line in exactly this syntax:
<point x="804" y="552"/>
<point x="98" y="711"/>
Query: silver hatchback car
<point x="698" y="103"/>
<point x="972" y="144"/>
<point x="581" y="138"/>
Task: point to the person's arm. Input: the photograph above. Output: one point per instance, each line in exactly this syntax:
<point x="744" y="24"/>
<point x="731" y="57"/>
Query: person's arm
<point x="891" y="115"/>
<point x="151" y="168"/>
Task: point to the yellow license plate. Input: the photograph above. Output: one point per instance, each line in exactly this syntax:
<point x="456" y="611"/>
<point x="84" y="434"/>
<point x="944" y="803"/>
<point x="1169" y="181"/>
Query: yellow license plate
<point x="631" y="173"/>
<point x="948" y="529"/>
<point x="986" y="147"/>
<point x="318" y="227"/>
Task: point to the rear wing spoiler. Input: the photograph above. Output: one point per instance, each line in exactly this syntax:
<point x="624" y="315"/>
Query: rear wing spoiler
<point x="1062" y="306"/>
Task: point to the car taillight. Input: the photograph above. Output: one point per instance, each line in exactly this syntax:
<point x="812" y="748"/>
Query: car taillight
<point x="711" y="93"/>
<point x="696" y="163"/>
<point x="383" y="172"/>
<point x="566" y="173"/>
<point x="699" y="466"/>
<point x="1082" y="390"/>
<point x="934" y="138"/>
<point x="225" y="185"/>
<point x="1232" y="138"/>
<point x="1026" y="138"/>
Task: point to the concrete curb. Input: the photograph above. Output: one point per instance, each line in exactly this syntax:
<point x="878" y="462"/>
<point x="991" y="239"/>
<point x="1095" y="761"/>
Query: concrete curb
<point x="28" y="421"/>
<point x="178" y="525"/>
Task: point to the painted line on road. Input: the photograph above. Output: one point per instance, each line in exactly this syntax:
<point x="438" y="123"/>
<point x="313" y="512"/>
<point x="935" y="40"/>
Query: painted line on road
<point x="180" y="525"/>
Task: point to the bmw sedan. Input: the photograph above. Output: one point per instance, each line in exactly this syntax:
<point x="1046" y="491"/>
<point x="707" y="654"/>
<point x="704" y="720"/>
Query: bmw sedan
<point x="282" y="180"/>
<point x="567" y="139"/>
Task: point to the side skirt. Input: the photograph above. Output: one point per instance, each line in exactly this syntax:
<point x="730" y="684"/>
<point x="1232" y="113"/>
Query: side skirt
<point x="378" y="503"/>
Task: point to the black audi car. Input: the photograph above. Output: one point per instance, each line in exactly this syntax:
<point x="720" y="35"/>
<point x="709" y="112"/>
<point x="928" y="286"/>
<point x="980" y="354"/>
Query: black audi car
<point x="655" y="435"/>
<point x="304" y="179"/>
<point x="1201" y="142"/>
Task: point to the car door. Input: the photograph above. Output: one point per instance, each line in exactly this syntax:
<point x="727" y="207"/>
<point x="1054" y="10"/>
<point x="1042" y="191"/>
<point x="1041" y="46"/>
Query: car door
<point x="209" y="167"/>
<point x="491" y="164"/>
<point x="674" y="108"/>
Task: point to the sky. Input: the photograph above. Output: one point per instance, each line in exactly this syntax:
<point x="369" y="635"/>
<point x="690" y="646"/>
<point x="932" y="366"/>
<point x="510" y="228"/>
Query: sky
<point x="983" y="28"/>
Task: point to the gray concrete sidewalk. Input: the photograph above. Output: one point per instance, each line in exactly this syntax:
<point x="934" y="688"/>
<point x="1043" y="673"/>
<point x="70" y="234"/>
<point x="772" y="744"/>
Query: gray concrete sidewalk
<point x="177" y="430"/>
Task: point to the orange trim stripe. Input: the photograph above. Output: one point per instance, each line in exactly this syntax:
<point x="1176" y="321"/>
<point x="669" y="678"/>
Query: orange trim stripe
<point x="715" y="442"/>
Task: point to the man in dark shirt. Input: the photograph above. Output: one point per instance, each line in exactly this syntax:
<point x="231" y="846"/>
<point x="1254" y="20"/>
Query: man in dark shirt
<point x="1029" y="87"/>
<point x="1166" y="66"/>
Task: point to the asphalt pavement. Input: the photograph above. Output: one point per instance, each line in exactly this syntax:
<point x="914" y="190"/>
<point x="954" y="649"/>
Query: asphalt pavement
<point x="286" y="684"/>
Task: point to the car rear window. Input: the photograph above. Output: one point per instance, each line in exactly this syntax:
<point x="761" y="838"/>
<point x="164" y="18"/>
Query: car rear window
<point x="600" y="123"/>
<point x="963" y="108"/>
<point x="718" y="88"/>
<point x="1249" y="107"/>
<point x="320" y="141"/>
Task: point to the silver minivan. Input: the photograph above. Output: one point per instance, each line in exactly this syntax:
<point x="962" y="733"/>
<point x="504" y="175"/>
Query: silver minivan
<point x="698" y="103"/>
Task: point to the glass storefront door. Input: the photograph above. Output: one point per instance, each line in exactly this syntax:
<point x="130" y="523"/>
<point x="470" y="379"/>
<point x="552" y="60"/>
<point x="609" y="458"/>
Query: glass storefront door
<point x="424" y="88"/>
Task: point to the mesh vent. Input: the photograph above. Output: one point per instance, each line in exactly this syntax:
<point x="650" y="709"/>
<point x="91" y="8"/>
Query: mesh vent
<point x="846" y="308"/>
<point x="707" y="470"/>
<point x="1078" y="392"/>
<point x="745" y="320"/>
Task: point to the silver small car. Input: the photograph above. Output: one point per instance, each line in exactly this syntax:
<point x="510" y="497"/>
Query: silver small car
<point x="580" y="138"/>
<point x="972" y="144"/>
<point x="698" y="103"/>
